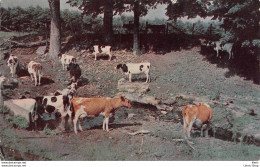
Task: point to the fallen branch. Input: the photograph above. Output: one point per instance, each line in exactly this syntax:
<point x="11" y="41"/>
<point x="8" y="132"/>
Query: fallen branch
<point x="16" y="44"/>
<point x="138" y="132"/>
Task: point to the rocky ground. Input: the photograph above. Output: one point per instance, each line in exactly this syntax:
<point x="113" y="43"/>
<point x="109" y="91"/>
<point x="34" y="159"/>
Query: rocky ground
<point x="186" y="72"/>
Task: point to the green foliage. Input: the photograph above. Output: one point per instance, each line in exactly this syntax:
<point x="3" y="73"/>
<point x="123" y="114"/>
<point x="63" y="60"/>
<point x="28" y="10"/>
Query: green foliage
<point x="3" y="109"/>
<point x="48" y="131"/>
<point x="9" y="118"/>
<point x="20" y="122"/>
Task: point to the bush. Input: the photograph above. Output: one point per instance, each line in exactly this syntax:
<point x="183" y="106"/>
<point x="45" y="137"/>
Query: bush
<point x="3" y="109"/>
<point x="20" y="122"/>
<point x="48" y="131"/>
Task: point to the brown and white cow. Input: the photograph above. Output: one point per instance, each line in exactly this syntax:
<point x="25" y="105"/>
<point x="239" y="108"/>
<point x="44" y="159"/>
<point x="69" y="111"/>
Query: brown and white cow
<point x="12" y="62"/>
<point x="66" y="60"/>
<point x="35" y="70"/>
<point x="82" y="107"/>
<point x="198" y="115"/>
<point x="104" y="50"/>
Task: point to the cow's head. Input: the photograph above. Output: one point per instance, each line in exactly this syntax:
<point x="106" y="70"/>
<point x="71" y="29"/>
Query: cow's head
<point x="124" y="102"/>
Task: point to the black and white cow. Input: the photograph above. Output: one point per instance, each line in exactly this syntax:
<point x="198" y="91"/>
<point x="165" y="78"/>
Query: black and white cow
<point x="12" y="62"/>
<point x="75" y="72"/>
<point x="54" y="104"/>
<point x="135" y="68"/>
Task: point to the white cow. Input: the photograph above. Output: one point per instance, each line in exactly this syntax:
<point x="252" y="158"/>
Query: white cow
<point x="104" y="50"/>
<point x="35" y="70"/>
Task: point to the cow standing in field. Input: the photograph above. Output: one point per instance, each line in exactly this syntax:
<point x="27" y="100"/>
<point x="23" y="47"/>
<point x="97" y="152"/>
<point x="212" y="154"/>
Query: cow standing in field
<point x="196" y="115"/>
<point x="82" y="107"/>
<point x="218" y="46"/>
<point x="135" y="68"/>
<point x="66" y="60"/>
<point x="12" y="62"/>
<point x="35" y="70"/>
<point x="75" y="72"/>
<point x="104" y="50"/>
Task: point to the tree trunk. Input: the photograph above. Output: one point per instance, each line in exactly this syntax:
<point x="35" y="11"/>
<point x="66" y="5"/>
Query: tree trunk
<point x="108" y="22"/>
<point x="55" y="35"/>
<point x="136" y="44"/>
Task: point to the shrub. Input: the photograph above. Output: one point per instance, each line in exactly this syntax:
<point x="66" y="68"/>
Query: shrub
<point x="3" y="109"/>
<point x="20" y="122"/>
<point x="48" y="131"/>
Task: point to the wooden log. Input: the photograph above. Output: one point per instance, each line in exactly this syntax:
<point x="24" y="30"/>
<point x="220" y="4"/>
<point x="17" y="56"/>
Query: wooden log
<point x="16" y="44"/>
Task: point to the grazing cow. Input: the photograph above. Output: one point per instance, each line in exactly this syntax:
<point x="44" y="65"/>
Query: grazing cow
<point x="82" y="107"/>
<point x="104" y="50"/>
<point x="12" y="62"/>
<point x="135" y="68"/>
<point x="75" y="72"/>
<point x="35" y="69"/>
<point x="70" y="91"/>
<point x="196" y="115"/>
<point x="66" y="60"/>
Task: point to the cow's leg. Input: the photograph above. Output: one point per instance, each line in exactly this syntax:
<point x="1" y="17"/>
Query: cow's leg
<point x="80" y="127"/>
<point x="184" y="127"/>
<point x="75" y="122"/>
<point x="31" y="74"/>
<point x="130" y="77"/>
<point x="110" y="56"/>
<point x="40" y="76"/>
<point x="95" y="56"/>
<point x="147" y="77"/>
<point x="12" y="71"/>
<point x="202" y="129"/>
<point x="35" y="78"/>
<point x="189" y="128"/>
<point x="207" y="130"/>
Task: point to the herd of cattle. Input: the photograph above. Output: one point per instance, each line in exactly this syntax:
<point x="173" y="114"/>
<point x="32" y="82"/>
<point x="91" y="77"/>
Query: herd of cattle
<point x="65" y="103"/>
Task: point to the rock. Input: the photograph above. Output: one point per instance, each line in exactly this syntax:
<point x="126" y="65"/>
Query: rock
<point x="237" y="113"/>
<point x="41" y="50"/>
<point x="131" y="115"/>
<point x="140" y="98"/>
<point x="132" y="87"/>
<point x="164" y="112"/>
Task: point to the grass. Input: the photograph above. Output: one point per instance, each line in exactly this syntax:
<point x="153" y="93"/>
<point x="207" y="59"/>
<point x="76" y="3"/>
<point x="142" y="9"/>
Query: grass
<point x="166" y="134"/>
<point x="239" y="152"/>
<point x="20" y="122"/>
<point x="48" y="131"/>
<point x="3" y="109"/>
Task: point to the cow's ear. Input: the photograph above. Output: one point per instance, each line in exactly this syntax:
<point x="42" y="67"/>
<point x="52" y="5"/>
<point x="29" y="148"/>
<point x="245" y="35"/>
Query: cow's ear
<point x="122" y="98"/>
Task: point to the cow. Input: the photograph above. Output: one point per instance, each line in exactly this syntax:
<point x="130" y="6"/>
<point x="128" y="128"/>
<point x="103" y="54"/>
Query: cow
<point x="66" y="60"/>
<point x="75" y="72"/>
<point x="198" y="115"/>
<point x="12" y="62"/>
<point x="70" y="91"/>
<point x="53" y="104"/>
<point x="104" y="50"/>
<point x="82" y="107"/>
<point x="135" y="68"/>
<point x="35" y="70"/>
<point x="228" y="47"/>
<point x="219" y="46"/>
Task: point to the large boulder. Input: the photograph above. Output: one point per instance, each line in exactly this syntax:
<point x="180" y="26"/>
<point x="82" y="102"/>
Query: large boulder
<point x="41" y="50"/>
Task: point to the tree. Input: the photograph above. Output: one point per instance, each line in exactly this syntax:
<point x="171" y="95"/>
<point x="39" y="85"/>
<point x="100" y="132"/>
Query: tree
<point x="96" y="7"/>
<point x="55" y="34"/>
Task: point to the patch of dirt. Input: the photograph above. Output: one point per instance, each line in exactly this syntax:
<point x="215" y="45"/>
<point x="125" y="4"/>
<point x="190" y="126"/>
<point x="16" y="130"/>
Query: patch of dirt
<point x="185" y="72"/>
